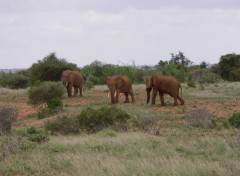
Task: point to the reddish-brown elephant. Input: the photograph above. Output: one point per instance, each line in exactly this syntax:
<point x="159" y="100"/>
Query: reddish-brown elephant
<point x="120" y="84"/>
<point x="73" y="79"/>
<point x="164" y="85"/>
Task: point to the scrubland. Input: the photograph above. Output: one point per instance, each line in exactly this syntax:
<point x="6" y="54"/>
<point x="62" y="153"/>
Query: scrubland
<point x="167" y="141"/>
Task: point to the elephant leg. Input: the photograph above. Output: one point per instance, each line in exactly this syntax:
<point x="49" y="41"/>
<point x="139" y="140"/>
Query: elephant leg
<point x="126" y="97"/>
<point x="117" y="96"/>
<point x="132" y="96"/>
<point x="175" y="101"/>
<point x="162" y="99"/>
<point x="154" y="96"/>
<point x="113" y="100"/>
<point x="180" y="99"/>
<point x="81" y="91"/>
<point x="69" y="90"/>
<point x="75" y="91"/>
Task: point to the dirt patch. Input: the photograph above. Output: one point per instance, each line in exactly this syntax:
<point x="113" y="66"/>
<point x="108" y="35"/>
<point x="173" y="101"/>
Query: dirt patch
<point x="76" y="101"/>
<point x="24" y="109"/>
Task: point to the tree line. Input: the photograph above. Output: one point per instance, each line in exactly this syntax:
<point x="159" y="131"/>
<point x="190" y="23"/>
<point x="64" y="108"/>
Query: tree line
<point x="50" y="68"/>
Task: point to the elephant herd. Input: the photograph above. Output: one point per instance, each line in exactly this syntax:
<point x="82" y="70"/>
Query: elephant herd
<point x="122" y="84"/>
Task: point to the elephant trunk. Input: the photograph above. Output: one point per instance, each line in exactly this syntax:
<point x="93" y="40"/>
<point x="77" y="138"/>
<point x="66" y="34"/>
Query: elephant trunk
<point x="148" y="94"/>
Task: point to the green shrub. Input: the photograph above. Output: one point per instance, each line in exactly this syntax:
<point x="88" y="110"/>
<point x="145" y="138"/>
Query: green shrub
<point x="235" y="120"/>
<point x="55" y="103"/>
<point x="14" y="80"/>
<point x="92" y="120"/>
<point x="19" y="81"/>
<point x="88" y="85"/>
<point x="201" y="118"/>
<point x="46" y="92"/>
<point x="62" y="125"/>
<point x="50" y="68"/>
<point x="7" y="117"/>
<point x="204" y="76"/>
<point x="35" y="135"/>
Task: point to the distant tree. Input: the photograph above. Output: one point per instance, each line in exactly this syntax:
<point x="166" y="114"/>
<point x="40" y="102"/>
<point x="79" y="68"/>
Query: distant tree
<point x="99" y="71"/>
<point x="177" y="66"/>
<point x="203" y="65"/>
<point x="215" y="69"/>
<point x="50" y="68"/>
<point x="14" y="80"/>
<point x="180" y="59"/>
<point x="229" y="66"/>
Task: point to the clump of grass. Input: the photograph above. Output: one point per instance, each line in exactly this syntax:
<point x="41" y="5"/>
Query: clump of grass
<point x="201" y="118"/>
<point x="234" y="143"/>
<point x="146" y="122"/>
<point x="7" y="116"/>
<point x="235" y="120"/>
<point x="34" y="134"/>
<point x="21" y="140"/>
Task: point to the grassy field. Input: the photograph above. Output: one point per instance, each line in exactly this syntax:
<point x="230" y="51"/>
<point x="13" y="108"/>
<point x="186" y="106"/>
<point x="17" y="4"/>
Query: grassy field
<point x="176" y="149"/>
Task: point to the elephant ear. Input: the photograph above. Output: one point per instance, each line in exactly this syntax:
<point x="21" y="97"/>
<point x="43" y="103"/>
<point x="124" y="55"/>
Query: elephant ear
<point x="149" y="83"/>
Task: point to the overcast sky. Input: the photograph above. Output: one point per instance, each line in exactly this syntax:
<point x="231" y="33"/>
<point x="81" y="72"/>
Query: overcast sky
<point x="117" y="31"/>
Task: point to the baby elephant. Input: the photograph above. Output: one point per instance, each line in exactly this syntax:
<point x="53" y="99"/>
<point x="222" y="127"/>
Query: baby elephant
<point x="164" y="85"/>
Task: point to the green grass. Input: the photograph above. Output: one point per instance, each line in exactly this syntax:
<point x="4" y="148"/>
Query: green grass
<point x="179" y="149"/>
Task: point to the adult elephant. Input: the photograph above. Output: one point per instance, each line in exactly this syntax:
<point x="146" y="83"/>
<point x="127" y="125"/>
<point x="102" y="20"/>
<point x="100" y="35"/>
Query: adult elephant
<point x="164" y="85"/>
<point x="120" y="84"/>
<point x="73" y="79"/>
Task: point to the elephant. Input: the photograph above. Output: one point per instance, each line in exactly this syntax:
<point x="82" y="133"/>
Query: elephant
<point x="164" y="85"/>
<point x="73" y="79"/>
<point x="120" y="84"/>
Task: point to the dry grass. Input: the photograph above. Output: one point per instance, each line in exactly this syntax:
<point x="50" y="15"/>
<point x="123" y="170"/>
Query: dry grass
<point x="179" y="149"/>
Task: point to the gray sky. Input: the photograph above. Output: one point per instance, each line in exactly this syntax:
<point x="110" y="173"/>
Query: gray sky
<point x="117" y="31"/>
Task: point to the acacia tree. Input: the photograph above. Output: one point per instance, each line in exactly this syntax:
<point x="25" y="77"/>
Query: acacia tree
<point x="180" y="59"/>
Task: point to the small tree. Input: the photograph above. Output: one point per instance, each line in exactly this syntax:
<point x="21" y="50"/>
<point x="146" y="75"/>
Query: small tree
<point x="228" y="66"/>
<point x="180" y="59"/>
<point x="50" y="68"/>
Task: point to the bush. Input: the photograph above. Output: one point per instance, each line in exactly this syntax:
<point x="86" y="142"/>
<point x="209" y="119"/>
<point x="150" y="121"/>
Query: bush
<point x="14" y="80"/>
<point x="201" y="118"/>
<point x="62" y="125"/>
<point x="88" y="85"/>
<point x="46" y="92"/>
<point x="235" y="120"/>
<point x="147" y="123"/>
<point x="35" y="135"/>
<point x="204" y="76"/>
<point x="92" y="120"/>
<point x="55" y="103"/>
<point x="19" y="81"/>
<point x="7" y="117"/>
<point x="191" y="83"/>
